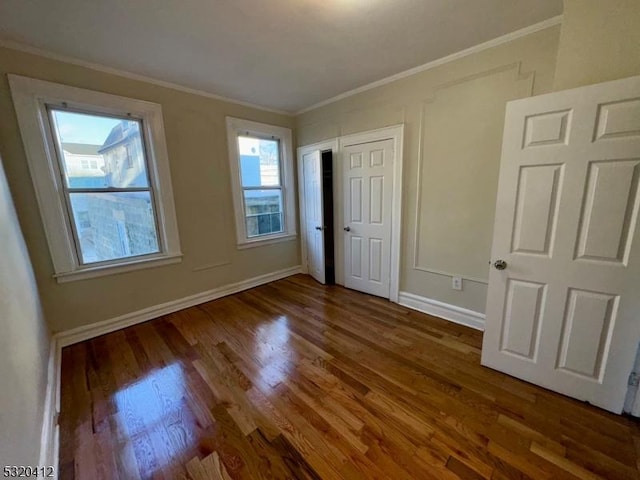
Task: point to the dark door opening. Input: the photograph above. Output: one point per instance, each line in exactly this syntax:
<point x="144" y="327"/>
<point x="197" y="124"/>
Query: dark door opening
<point x="327" y="211"/>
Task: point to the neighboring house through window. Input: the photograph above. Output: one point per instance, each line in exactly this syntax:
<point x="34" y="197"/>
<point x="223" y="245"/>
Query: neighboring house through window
<point x="129" y="155"/>
<point x="100" y="168"/>
<point x="262" y="179"/>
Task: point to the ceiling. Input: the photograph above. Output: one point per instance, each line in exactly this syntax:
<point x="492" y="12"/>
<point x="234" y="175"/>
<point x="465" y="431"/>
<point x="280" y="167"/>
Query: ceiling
<point x="282" y="54"/>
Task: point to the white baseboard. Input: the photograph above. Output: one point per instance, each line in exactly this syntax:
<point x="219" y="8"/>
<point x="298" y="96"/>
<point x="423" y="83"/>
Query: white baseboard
<point x="447" y="311"/>
<point x="86" y="332"/>
<point x="49" y="440"/>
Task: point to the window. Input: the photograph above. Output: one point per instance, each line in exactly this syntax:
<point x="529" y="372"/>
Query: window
<point x="261" y="185"/>
<point x="100" y="170"/>
<point x="261" y="168"/>
<point x="111" y="211"/>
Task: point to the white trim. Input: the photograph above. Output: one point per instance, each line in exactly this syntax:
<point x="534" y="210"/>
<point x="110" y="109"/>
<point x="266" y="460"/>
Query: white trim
<point x="330" y="144"/>
<point x="31" y="97"/>
<point x="509" y="37"/>
<point x="395" y="133"/>
<point x="86" y="332"/>
<point x="238" y="126"/>
<point x="268" y="241"/>
<point x="21" y="47"/>
<point x="550" y="22"/>
<point x="103" y="270"/>
<point x="49" y="440"/>
<point x="449" y="274"/>
<point x="50" y="436"/>
<point x="453" y="313"/>
<point x="421" y="161"/>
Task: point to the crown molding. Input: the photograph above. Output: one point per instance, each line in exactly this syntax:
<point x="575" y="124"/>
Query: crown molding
<point x="550" y="22"/>
<point x="509" y="37"/>
<point x="22" y="47"/>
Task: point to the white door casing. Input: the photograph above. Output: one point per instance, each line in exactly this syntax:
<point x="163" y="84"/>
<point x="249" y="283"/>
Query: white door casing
<point x="333" y="145"/>
<point x="368" y="187"/>
<point x="314" y="219"/>
<point x="337" y="145"/>
<point x="565" y="313"/>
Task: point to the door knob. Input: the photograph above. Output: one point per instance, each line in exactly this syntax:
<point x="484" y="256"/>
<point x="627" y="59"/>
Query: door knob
<point x="347" y="229"/>
<point x="318" y="228"/>
<point x="500" y="264"/>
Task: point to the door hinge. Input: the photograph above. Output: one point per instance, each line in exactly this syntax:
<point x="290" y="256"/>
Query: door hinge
<point x="634" y="379"/>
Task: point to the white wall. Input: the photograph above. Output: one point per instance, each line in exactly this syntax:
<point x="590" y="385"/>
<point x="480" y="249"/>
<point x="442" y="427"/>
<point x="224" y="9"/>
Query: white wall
<point x="24" y="344"/>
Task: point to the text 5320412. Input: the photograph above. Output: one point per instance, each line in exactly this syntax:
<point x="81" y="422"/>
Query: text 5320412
<point x="14" y="471"/>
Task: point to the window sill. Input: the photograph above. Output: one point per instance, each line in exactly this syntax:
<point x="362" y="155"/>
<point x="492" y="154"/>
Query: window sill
<point x="267" y="241"/>
<point x="104" y="270"/>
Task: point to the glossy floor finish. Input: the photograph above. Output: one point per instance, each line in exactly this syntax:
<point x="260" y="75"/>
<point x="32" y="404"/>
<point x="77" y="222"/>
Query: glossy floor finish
<point x="297" y="380"/>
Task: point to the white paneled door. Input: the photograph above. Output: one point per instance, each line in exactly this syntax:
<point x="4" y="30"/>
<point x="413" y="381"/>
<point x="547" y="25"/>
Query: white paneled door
<point x="368" y="184"/>
<point x="314" y="221"/>
<point x="563" y="306"/>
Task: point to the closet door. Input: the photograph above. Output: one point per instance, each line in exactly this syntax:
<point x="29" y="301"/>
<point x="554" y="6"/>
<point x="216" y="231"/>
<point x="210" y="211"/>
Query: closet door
<point x="313" y="215"/>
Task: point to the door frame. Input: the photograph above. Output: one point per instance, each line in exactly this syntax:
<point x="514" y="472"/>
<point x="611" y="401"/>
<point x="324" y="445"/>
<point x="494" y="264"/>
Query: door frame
<point x="330" y="144"/>
<point x="337" y="144"/>
<point x="395" y="133"/>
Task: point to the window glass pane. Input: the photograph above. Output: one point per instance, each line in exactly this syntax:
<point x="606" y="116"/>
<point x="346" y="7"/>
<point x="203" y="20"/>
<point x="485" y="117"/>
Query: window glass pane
<point x="114" y="225"/>
<point x="259" y="162"/>
<point x="263" y="212"/>
<point x="100" y="151"/>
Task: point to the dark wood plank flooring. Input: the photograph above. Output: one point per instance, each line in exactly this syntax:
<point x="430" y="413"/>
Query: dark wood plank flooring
<point x="298" y="380"/>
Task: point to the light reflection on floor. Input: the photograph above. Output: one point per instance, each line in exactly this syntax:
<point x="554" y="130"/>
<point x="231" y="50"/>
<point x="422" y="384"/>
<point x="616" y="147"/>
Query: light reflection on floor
<point x="273" y="351"/>
<point x="154" y="420"/>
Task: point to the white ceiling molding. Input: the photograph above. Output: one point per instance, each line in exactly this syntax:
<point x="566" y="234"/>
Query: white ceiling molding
<point x="132" y="76"/>
<point x="523" y="32"/>
<point x="551" y="22"/>
<point x="283" y="55"/>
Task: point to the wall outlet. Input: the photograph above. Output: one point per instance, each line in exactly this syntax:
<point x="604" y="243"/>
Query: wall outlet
<point x="456" y="283"/>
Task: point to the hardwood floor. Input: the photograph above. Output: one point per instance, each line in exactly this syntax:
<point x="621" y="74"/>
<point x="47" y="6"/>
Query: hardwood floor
<point x="297" y="380"/>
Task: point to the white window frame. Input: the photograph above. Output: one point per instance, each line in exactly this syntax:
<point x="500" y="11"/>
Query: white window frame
<point x="235" y="128"/>
<point x="31" y="98"/>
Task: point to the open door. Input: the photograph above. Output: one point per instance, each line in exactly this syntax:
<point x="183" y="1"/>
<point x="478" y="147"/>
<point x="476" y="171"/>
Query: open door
<point x="563" y="306"/>
<point x="314" y="216"/>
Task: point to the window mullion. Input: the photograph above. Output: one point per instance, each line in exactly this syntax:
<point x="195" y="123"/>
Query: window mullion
<point x="270" y="187"/>
<point x="107" y="190"/>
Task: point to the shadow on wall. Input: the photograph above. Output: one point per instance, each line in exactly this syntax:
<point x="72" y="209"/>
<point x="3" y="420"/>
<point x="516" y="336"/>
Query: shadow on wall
<point x="24" y="344"/>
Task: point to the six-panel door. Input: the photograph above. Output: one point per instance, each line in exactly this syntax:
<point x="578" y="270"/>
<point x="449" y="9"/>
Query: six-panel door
<point x="565" y="313"/>
<point x="368" y="182"/>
